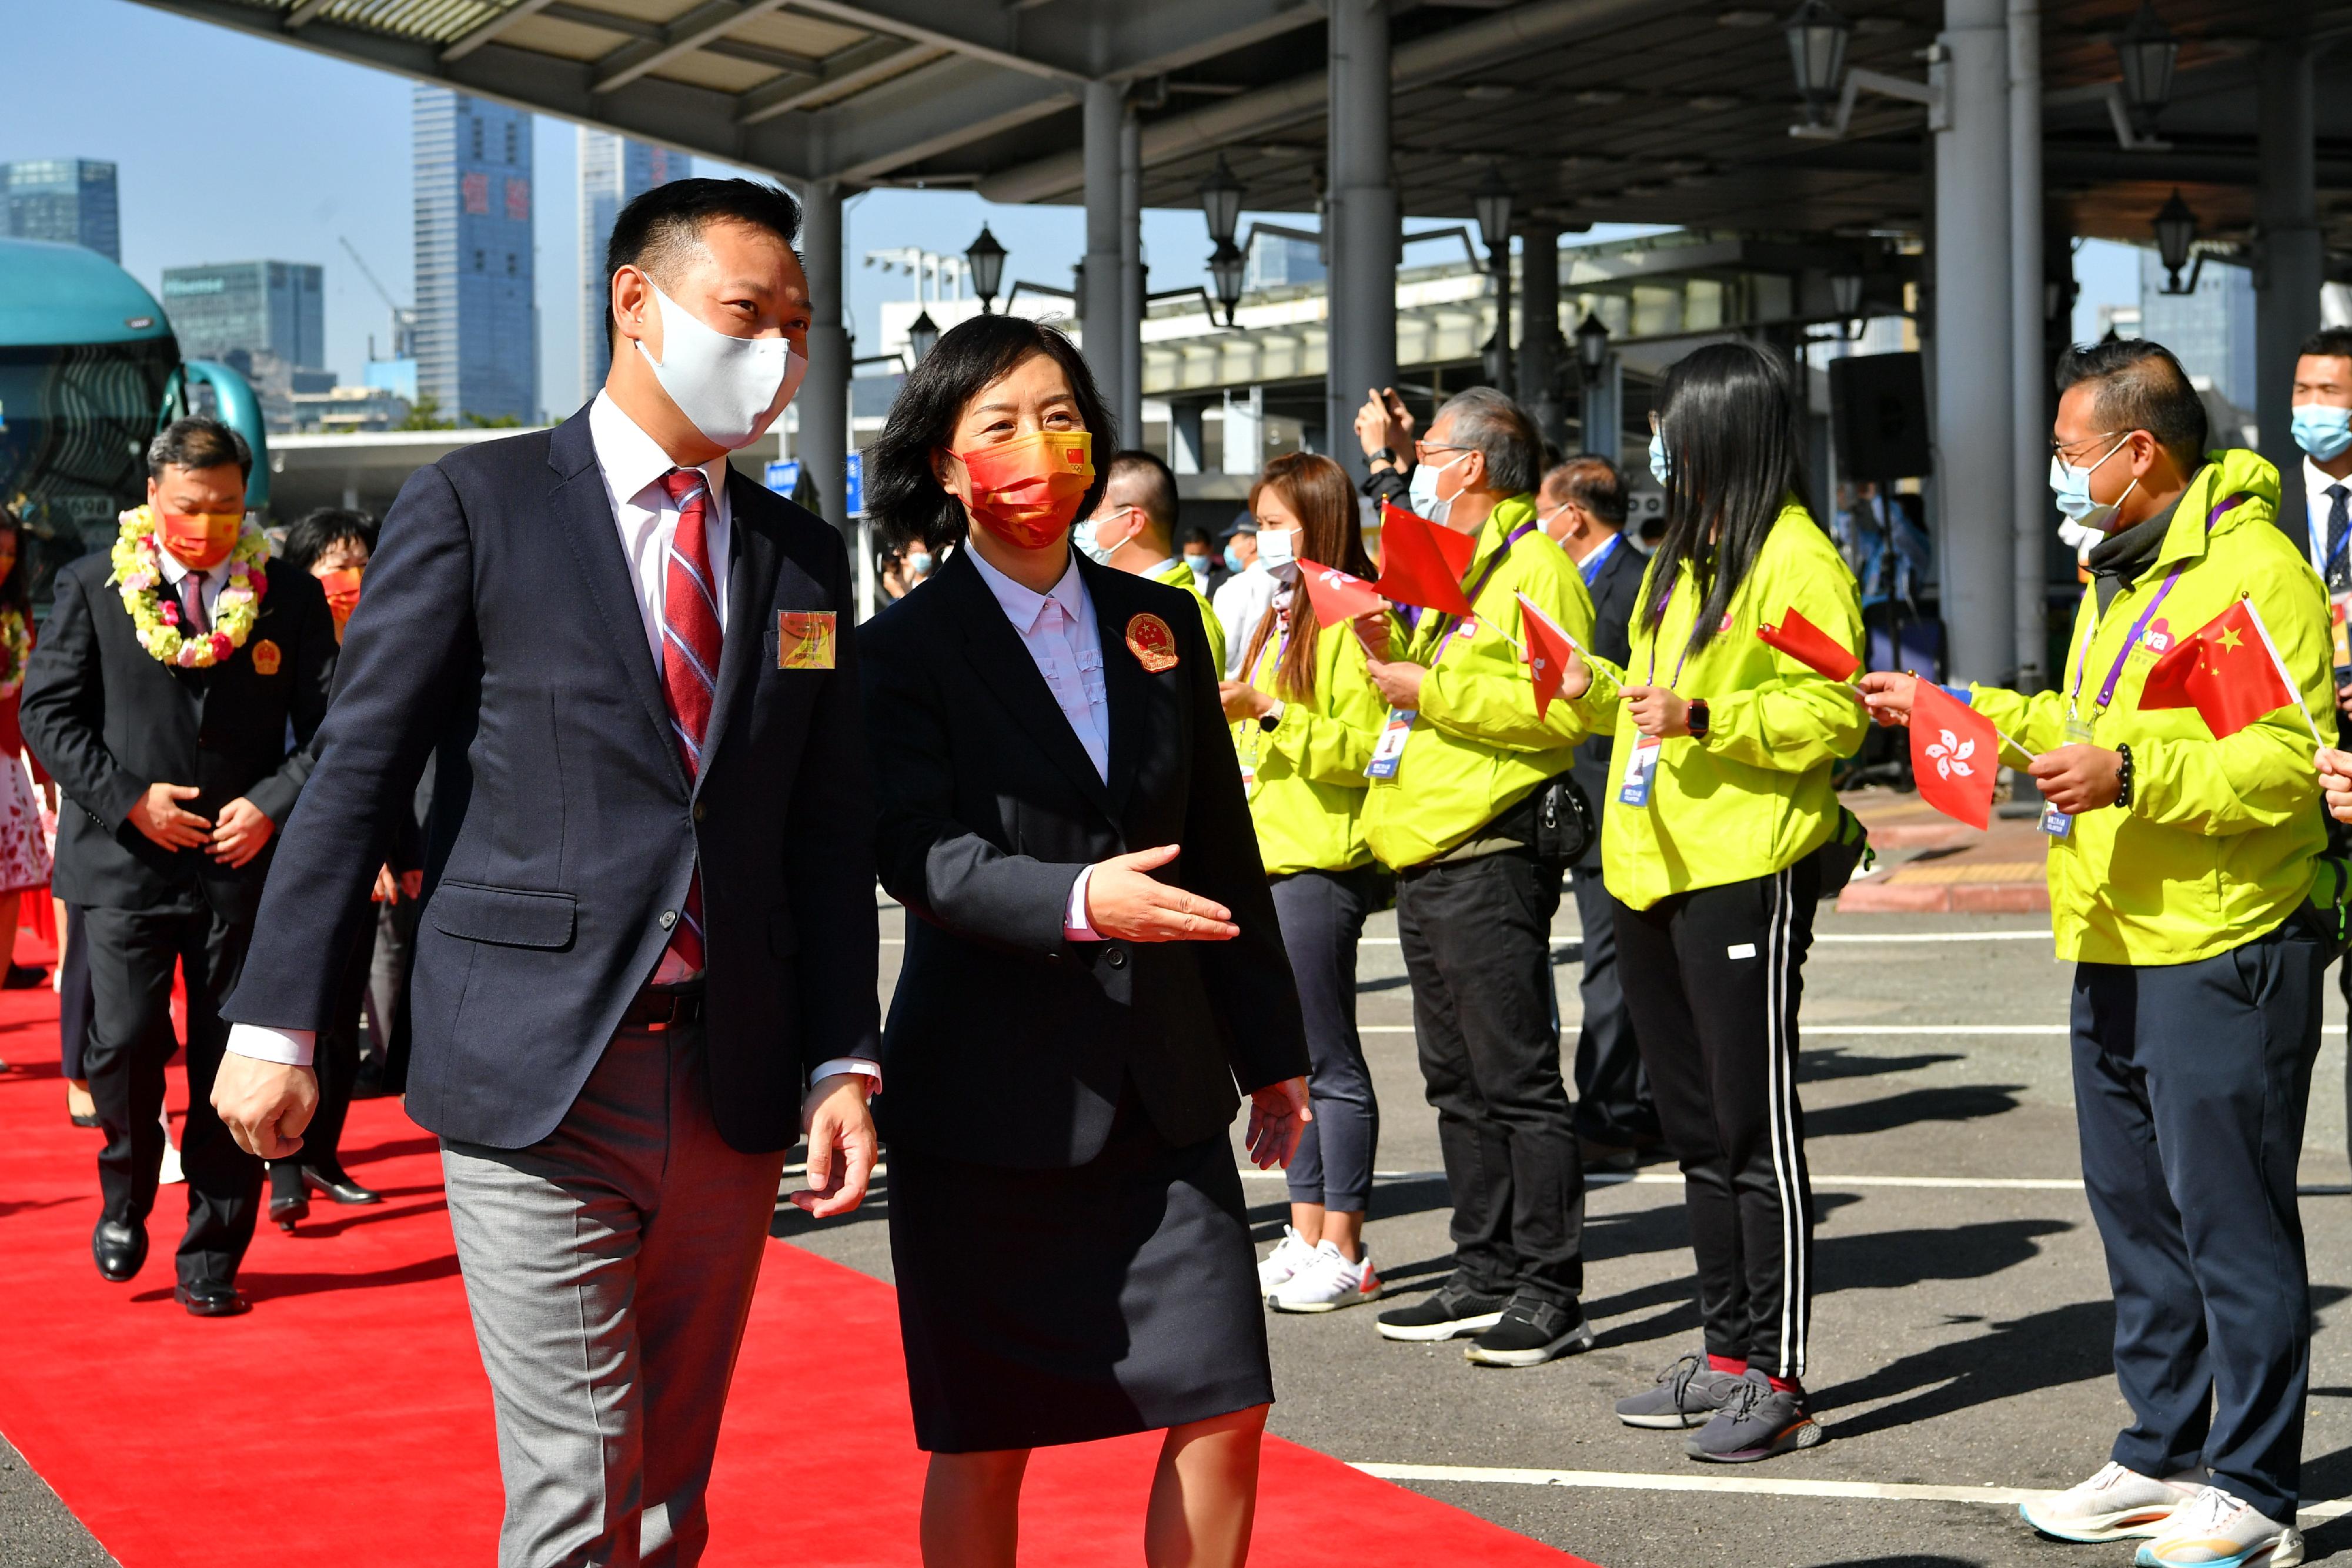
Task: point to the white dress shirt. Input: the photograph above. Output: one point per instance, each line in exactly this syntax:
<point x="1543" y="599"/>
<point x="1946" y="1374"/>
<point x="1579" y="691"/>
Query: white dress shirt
<point x="1058" y="629"/>
<point x="633" y="465"/>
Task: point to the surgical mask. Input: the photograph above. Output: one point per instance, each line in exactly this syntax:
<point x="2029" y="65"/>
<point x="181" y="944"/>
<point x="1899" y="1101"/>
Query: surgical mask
<point x="1088" y="537"/>
<point x="1658" y="469"/>
<point x="2322" y="430"/>
<point x="1233" y="561"/>
<point x="1026" y="490"/>
<point x="730" y="389"/>
<point x="1422" y="489"/>
<point x="1198" y="565"/>
<point x="199" y="541"/>
<point x="920" y="564"/>
<point x="343" y="590"/>
<point x="2071" y="484"/>
<point x="1277" y="551"/>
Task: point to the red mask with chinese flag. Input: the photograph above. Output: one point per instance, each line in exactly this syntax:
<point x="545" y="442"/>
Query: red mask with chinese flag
<point x="343" y="590"/>
<point x="199" y="541"/>
<point x="1026" y="491"/>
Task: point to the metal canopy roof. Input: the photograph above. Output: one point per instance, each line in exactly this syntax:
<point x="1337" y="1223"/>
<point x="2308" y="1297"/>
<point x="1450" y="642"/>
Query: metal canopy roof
<point x="1666" y="112"/>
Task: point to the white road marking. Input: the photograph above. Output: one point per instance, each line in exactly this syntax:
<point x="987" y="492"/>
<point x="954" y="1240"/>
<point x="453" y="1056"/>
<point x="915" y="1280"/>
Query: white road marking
<point x="1669" y="1178"/>
<point x="2054" y="1029"/>
<point x="1934" y="936"/>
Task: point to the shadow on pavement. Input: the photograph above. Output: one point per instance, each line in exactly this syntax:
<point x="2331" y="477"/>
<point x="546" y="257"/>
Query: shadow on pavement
<point x="1835" y="1062"/>
<point x="1959" y="1102"/>
<point x="2044" y="1350"/>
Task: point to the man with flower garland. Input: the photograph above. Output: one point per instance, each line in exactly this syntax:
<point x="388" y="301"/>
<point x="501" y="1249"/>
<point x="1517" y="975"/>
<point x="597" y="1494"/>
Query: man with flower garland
<point x="160" y="698"/>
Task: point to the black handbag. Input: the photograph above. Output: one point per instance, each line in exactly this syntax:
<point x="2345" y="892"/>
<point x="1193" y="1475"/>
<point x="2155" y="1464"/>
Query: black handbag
<point x="1565" y="825"/>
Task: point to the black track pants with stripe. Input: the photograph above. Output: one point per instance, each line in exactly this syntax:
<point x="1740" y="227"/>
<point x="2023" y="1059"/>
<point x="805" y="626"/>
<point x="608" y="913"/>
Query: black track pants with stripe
<point x="1712" y="979"/>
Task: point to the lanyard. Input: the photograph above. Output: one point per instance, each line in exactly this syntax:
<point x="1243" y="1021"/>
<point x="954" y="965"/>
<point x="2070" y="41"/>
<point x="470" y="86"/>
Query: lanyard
<point x="2107" y="688"/>
<point x="1494" y="564"/>
<point x="1590" y="567"/>
<point x="1665" y="600"/>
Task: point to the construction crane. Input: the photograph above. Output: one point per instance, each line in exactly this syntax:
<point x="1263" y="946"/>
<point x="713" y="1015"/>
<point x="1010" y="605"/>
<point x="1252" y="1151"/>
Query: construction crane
<point x="403" y="318"/>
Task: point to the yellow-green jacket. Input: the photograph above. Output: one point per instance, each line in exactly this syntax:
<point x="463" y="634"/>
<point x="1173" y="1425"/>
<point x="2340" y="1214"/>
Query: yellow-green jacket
<point x="1176" y="574"/>
<point x="1476" y="747"/>
<point x="2217" y="846"/>
<point x="1754" y="796"/>
<point x="1305" y="775"/>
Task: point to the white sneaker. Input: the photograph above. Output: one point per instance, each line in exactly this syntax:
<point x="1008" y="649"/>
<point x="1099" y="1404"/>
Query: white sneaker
<point x="1289" y="1255"/>
<point x="2215" y="1529"/>
<point x="2113" y="1505"/>
<point x="1328" y="1282"/>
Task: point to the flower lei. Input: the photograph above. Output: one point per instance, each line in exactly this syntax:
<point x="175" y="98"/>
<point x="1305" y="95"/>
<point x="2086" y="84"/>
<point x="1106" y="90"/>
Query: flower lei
<point x="138" y="572"/>
<point x="15" y="647"/>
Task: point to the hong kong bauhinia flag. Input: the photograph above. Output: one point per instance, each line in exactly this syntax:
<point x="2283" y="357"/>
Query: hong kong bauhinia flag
<point x="2228" y="672"/>
<point x="1336" y="595"/>
<point x="1421" y="563"/>
<point x="1955" y="751"/>
<point x="1548" y="651"/>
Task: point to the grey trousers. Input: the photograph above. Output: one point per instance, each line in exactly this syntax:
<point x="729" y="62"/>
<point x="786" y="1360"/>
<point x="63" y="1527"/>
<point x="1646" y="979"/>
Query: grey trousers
<point x="609" y="1268"/>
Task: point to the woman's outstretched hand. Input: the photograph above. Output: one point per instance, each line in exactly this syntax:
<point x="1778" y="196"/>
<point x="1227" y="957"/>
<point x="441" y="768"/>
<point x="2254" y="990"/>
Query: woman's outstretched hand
<point x="1278" y="1114"/>
<point x="1887" y="696"/>
<point x="1122" y="901"/>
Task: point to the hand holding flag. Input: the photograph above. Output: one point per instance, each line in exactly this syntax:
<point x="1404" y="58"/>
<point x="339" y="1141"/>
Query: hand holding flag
<point x="1550" y="653"/>
<point x="1423" y="564"/>
<point x="1954" y="752"/>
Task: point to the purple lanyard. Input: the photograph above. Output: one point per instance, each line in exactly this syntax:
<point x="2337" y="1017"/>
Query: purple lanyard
<point x="1665" y="599"/>
<point x="1494" y="564"/>
<point x="2107" y="690"/>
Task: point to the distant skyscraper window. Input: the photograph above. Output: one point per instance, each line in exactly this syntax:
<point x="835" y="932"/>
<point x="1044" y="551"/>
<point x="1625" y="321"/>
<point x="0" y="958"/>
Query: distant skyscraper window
<point x="69" y="200"/>
<point x="1275" y="261"/>
<point x="476" y="344"/>
<point x="2210" y="331"/>
<point x="614" y="172"/>
<point x="256" y="307"/>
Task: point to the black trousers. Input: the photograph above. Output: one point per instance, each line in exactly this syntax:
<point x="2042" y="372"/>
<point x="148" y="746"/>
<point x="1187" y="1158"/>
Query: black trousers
<point x="1477" y="936"/>
<point x="1613" y="1104"/>
<point x="336" y="1059"/>
<point x="133" y="954"/>
<point x="2190" y="1084"/>
<point x="1322" y="915"/>
<point x="74" y="1001"/>
<point x="1713" y="978"/>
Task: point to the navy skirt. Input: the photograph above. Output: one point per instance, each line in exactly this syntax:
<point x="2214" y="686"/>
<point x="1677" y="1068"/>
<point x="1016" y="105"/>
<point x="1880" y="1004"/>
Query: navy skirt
<point x="1060" y="1306"/>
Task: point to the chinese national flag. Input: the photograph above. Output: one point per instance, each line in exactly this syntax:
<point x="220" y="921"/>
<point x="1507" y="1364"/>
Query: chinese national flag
<point x="1955" y="751"/>
<point x="1809" y="645"/>
<point x="2226" y="671"/>
<point x="1336" y="596"/>
<point x="1421" y="563"/>
<point x="1548" y="653"/>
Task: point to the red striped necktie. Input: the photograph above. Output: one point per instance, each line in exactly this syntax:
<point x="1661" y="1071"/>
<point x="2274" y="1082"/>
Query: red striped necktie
<point x="690" y="643"/>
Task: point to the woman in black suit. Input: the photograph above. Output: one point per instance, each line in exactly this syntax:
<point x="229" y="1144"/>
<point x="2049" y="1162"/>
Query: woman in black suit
<point x="1092" y="969"/>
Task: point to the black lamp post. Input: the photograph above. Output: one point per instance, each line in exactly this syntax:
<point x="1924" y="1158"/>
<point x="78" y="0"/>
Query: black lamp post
<point x="986" y="259"/>
<point x="2175" y="235"/>
<point x="1221" y="202"/>
<point x="923" y="337"/>
<point x="2147" y="51"/>
<point x="1225" y="268"/>
<point x="1845" y="297"/>
<point x="1592" y="346"/>
<point x="1817" y="39"/>
<point x="1492" y="201"/>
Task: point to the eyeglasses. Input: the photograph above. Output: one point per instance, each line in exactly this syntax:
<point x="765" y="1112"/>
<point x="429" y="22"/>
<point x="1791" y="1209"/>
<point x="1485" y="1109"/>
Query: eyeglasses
<point x="1425" y="447"/>
<point x="2065" y="450"/>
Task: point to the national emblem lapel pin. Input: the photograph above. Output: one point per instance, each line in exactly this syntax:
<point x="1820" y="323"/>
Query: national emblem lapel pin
<point x="1151" y="642"/>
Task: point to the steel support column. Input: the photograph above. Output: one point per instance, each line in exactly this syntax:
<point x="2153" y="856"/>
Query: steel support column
<point x="2030" y="397"/>
<point x="2290" y="268"/>
<point x="822" y="445"/>
<point x="1539" y="336"/>
<point x="1360" y="223"/>
<point x="1973" y="387"/>
<point x="1103" y="309"/>
<point x="1129" y="406"/>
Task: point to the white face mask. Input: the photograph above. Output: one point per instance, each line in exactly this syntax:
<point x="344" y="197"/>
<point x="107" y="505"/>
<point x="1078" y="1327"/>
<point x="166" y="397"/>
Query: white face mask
<point x="1277" y="551"/>
<point x="730" y="389"/>
<point x="1422" y="488"/>
<point x="2071" y="483"/>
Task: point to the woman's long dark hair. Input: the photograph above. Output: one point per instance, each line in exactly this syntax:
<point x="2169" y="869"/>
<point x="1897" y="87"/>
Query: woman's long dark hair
<point x="1734" y="458"/>
<point x="1320" y="495"/>
<point x="903" y="497"/>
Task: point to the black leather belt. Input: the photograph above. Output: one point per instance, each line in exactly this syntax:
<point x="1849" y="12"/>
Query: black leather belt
<point x="659" y="1008"/>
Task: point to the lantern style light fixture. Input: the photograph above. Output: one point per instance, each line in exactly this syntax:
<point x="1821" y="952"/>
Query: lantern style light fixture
<point x="986" y="259"/>
<point x="2176" y="236"/>
<point x="1845" y="298"/>
<point x="1221" y="202"/>
<point x="1592" y="346"/>
<point x="923" y="337"/>
<point x="1817" y="37"/>
<point x="2147" y="51"/>
<point x="1225" y="268"/>
<point x="1492" y="201"/>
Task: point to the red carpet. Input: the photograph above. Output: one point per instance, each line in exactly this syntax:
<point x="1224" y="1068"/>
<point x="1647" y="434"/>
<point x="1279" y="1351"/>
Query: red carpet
<point x="346" y="1420"/>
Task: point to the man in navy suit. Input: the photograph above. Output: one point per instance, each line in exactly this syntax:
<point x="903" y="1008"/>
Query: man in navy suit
<point x="649" y="913"/>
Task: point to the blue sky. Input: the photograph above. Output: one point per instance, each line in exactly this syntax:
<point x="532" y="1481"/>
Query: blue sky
<point x="233" y="146"/>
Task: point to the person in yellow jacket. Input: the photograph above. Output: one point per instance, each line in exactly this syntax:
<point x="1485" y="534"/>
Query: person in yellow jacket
<point x="2179" y="887"/>
<point x="1712" y="848"/>
<point x="1452" y="807"/>
<point x="1304" y="718"/>
<point x="1133" y="528"/>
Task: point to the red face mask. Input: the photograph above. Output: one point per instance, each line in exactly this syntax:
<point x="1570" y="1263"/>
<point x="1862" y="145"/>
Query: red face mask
<point x="343" y="590"/>
<point x="199" y="539"/>
<point x="1026" y="491"/>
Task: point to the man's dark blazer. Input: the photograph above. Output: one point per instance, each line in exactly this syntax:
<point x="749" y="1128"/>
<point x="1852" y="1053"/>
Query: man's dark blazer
<point x="106" y="718"/>
<point x="500" y="631"/>
<point x="1008" y="1044"/>
<point x="1616" y="593"/>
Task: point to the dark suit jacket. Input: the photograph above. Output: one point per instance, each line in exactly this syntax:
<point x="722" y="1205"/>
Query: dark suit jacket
<point x="500" y="631"/>
<point x="1008" y="1044"/>
<point x="1616" y="593"/>
<point x="106" y="718"/>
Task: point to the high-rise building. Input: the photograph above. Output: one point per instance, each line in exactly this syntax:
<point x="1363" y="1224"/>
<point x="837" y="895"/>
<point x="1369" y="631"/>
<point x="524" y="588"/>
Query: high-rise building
<point x="1276" y="261"/>
<point x="259" y="307"/>
<point x="477" y="341"/>
<point x="2209" y="330"/>
<point x="69" y="200"/>
<point x="614" y="172"/>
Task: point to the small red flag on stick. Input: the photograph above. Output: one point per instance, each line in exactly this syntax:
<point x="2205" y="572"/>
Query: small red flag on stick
<point x="1955" y="752"/>
<point x="1811" y="646"/>
<point x="2227" y="670"/>
<point x="1548" y="652"/>
<point x="1423" y="564"/>
<point x="1336" y="596"/>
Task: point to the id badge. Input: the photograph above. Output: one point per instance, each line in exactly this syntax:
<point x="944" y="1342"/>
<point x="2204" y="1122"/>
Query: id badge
<point x="2055" y="823"/>
<point x="1641" y="767"/>
<point x="1390" y="750"/>
<point x="2339" y="609"/>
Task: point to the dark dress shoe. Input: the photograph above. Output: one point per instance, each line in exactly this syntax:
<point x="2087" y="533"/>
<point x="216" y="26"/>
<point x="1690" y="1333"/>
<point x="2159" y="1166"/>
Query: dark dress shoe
<point x="89" y="1121"/>
<point x="286" y="1212"/>
<point x="22" y="977"/>
<point x="119" y="1249"/>
<point x="339" y="1186"/>
<point x="211" y="1299"/>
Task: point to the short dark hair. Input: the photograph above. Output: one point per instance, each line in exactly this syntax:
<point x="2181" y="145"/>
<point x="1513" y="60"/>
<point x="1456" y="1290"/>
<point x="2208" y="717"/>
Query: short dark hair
<point x="655" y="231"/>
<point x="195" y="442"/>
<point x="1154" y="484"/>
<point x="2140" y="387"/>
<point x="2329" y="342"/>
<point x="1593" y="483"/>
<point x="320" y="530"/>
<point x="1489" y="423"/>
<point x="903" y="497"/>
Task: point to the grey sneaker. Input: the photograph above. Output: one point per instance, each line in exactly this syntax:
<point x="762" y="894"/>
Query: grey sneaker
<point x="1687" y="1393"/>
<point x="1756" y="1421"/>
<point x="1530" y="1333"/>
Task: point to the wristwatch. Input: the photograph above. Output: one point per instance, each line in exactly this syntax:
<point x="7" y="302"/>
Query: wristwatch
<point x="1698" y="719"/>
<point x="1271" y="719"/>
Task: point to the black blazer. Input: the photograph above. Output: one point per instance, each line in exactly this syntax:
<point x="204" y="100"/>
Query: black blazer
<point x="499" y="632"/>
<point x="106" y="718"/>
<point x="1007" y="1044"/>
<point x="1616" y="593"/>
